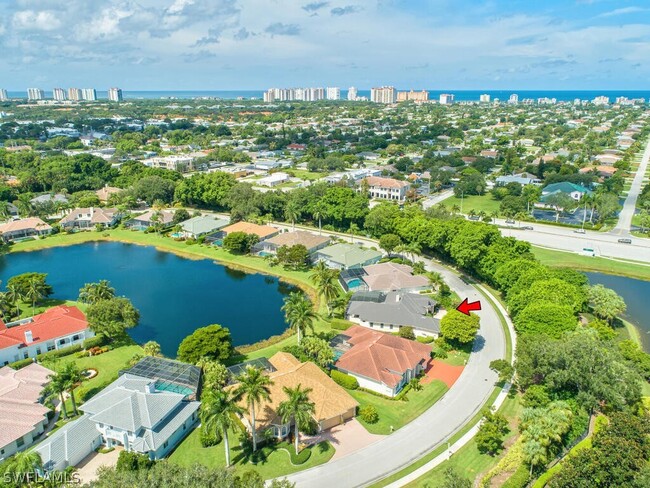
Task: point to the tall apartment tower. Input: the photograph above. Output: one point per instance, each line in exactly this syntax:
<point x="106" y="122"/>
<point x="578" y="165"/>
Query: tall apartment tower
<point x="385" y="94"/>
<point x="446" y="99"/>
<point x="75" y="94"/>
<point x="352" y="94"/>
<point x="3" y="95"/>
<point x="333" y="93"/>
<point x="58" y="94"/>
<point x="514" y="99"/>
<point x="484" y="98"/>
<point x="89" y="94"/>
<point x="35" y="94"/>
<point x="115" y="94"/>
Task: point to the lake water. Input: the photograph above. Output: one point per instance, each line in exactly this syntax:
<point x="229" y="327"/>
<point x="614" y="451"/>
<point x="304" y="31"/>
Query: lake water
<point x="175" y="295"/>
<point x="635" y="293"/>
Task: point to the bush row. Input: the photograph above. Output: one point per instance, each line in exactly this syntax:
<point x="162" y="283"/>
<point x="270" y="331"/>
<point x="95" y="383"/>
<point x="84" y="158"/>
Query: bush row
<point x="98" y="341"/>
<point x="66" y="351"/>
<point x="21" y="364"/>
<point x="345" y="380"/>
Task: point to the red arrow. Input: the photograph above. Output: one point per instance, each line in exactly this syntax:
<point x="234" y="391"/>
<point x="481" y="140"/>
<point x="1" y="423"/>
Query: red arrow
<point x="466" y="307"/>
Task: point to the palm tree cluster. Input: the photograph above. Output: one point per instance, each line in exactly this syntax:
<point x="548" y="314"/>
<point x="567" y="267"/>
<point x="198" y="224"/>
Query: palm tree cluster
<point x="299" y="313"/>
<point x="66" y="380"/>
<point x="92" y="293"/>
<point x="325" y="280"/>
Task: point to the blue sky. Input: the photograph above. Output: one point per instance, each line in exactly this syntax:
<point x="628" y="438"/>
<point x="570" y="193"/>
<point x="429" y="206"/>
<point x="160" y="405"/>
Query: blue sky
<point x="255" y="44"/>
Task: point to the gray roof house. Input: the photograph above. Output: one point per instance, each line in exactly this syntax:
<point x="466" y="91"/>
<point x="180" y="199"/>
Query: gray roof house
<point x="131" y="412"/>
<point x="202" y="225"/>
<point x="390" y="311"/>
<point x="347" y="256"/>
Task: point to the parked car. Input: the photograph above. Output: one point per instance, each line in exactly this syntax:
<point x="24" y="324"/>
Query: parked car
<point x="510" y="221"/>
<point x="579" y="231"/>
<point x="527" y="227"/>
<point x="625" y="240"/>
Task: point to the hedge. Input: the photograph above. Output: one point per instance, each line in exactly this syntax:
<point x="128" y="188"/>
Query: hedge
<point x="345" y="380"/>
<point x="21" y="364"/>
<point x="66" y="351"/>
<point x="97" y="341"/>
<point x="340" y="324"/>
<point x="519" y="479"/>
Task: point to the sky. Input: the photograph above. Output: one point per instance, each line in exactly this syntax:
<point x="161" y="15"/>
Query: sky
<point x="258" y="44"/>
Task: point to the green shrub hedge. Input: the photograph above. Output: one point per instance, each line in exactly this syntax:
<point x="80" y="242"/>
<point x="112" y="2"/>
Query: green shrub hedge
<point x="296" y="459"/>
<point x="340" y="324"/>
<point x="66" y="351"/>
<point x="209" y="438"/>
<point x="345" y="380"/>
<point x="21" y="364"/>
<point x="98" y="341"/>
<point x="519" y="478"/>
<point x="368" y="414"/>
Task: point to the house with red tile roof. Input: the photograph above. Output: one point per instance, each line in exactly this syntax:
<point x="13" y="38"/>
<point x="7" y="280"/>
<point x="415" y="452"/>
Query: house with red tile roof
<point x="380" y="362"/>
<point x="24" y="417"/>
<point x="387" y="188"/>
<point x="56" y="328"/>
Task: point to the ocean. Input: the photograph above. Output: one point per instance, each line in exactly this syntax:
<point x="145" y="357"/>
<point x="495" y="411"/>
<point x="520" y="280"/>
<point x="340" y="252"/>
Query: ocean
<point x="460" y="95"/>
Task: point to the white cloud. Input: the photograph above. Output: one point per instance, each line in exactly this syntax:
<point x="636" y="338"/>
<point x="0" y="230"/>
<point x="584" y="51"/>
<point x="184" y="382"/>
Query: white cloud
<point x="30" y="19"/>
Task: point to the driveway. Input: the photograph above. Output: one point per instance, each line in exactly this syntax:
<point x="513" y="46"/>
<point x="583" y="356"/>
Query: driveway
<point x="346" y="438"/>
<point x="87" y="469"/>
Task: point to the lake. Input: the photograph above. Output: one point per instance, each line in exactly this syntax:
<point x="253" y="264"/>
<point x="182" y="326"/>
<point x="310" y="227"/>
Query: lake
<point x="635" y="293"/>
<point x="175" y="295"/>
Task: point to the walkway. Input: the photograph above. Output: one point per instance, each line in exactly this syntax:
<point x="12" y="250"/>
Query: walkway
<point x="624" y="224"/>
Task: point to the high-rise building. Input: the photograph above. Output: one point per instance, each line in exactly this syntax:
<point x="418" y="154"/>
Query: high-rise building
<point x="484" y="98"/>
<point x="514" y="99"/>
<point x="413" y="96"/>
<point x="3" y="95"/>
<point x="115" y="94"/>
<point x="35" y="94"/>
<point x="446" y="99"/>
<point x="333" y="93"/>
<point x="75" y="94"/>
<point x="601" y="100"/>
<point x="352" y="94"/>
<point x="58" y="94"/>
<point x="89" y="94"/>
<point x="384" y="94"/>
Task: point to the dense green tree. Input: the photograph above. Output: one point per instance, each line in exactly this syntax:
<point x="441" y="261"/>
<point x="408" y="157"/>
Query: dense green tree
<point x="489" y="438"/>
<point x="406" y="332"/>
<point x="503" y="368"/>
<point x="22" y="286"/>
<point x="389" y="243"/>
<point x="112" y="317"/>
<point x="606" y="303"/>
<point x="553" y="290"/>
<point x="382" y="218"/>
<point x="456" y="326"/>
<point x="151" y="348"/>
<point x="318" y="350"/>
<point x="543" y="317"/>
<point x="154" y="188"/>
<point x="211" y="342"/>
<point x="93" y="292"/>
<point x="239" y="242"/>
<point x="293" y="257"/>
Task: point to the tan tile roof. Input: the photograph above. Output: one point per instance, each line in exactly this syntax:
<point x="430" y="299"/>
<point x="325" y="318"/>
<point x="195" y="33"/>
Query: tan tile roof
<point x="385" y="182"/>
<point x="392" y="276"/>
<point x="381" y="357"/>
<point x="330" y="399"/>
<point x="307" y="239"/>
<point x="261" y="231"/>
<point x="105" y="193"/>
<point x="24" y="224"/>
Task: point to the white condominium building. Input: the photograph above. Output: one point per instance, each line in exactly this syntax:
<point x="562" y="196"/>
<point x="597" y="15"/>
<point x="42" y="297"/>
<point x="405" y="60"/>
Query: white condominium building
<point x="601" y="100"/>
<point x="58" y="94"/>
<point x="484" y="98"/>
<point x="333" y="93"/>
<point x="35" y="94"/>
<point x="294" y="94"/>
<point x="3" y="95"/>
<point x="89" y="94"/>
<point x="514" y="99"/>
<point x="352" y="94"/>
<point x="384" y="94"/>
<point x="115" y="94"/>
<point x="75" y="94"/>
<point x="446" y="99"/>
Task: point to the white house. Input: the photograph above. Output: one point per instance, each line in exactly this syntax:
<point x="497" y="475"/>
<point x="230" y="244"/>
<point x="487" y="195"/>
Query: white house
<point x="274" y="179"/>
<point x="387" y="188"/>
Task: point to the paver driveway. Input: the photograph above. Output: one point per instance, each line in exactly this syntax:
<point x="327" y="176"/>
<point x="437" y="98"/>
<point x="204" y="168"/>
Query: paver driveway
<point x="346" y="438"/>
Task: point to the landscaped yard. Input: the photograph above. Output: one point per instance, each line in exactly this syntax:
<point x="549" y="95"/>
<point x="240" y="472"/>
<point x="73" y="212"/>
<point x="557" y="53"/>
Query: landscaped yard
<point x="271" y="462"/>
<point x="477" y="203"/>
<point x="398" y="413"/>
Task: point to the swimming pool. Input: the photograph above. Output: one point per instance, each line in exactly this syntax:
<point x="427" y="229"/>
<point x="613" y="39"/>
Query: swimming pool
<point x="164" y="386"/>
<point x="355" y="283"/>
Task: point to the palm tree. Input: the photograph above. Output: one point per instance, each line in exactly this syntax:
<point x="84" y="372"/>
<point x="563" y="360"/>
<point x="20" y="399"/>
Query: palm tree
<point x="297" y="408"/>
<point x="299" y="313"/>
<point x="152" y="348"/>
<point x="254" y="386"/>
<point x="58" y="386"/>
<point x="24" y="465"/>
<point x="35" y="291"/>
<point x="318" y="215"/>
<point x="72" y="377"/>
<point x="494" y="214"/>
<point x="455" y="208"/>
<point x="292" y="212"/>
<point x="217" y="414"/>
<point x="94" y="292"/>
<point x="326" y="285"/>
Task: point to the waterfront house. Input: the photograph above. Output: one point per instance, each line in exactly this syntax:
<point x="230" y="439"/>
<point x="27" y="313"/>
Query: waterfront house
<point x="89" y="218"/>
<point x="347" y="256"/>
<point x="23" y="228"/>
<point x="261" y="231"/>
<point x="149" y="218"/>
<point x="384" y="277"/>
<point x="332" y="404"/>
<point x="390" y="311"/>
<point x="203" y="225"/>
<point x="380" y="362"/>
<point x="24" y="417"/>
<point x="140" y="414"/>
<point x="56" y="328"/>
<point x="312" y="242"/>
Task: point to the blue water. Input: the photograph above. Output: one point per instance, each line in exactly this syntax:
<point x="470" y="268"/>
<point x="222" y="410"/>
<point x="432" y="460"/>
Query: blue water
<point x="175" y="295"/>
<point x="635" y="293"/>
<point x="460" y="95"/>
<point x="354" y="283"/>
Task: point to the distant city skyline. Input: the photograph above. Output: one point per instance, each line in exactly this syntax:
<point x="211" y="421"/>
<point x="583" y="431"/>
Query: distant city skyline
<point x="409" y="44"/>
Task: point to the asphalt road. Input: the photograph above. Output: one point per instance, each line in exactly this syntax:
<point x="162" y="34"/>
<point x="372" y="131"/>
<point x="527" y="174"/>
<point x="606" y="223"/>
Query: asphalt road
<point x="434" y="426"/>
<point x="625" y="217"/>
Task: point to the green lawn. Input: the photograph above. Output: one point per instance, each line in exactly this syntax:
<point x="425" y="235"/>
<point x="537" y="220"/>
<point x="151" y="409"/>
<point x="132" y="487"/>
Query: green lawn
<point x="587" y="263"/>
<point x="474" y="202"/>
<point x="271" y="462"/>
<point x="468" y="461"/>
<point x="306" y="174"/>
<point x="397" y="413"/>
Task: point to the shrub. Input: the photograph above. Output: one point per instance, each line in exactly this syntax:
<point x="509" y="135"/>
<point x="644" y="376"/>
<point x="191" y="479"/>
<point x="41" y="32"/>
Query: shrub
<point x="133" y="461"/>
<point x="301" y="458"/>
<point x="519" y="479"/>
<point x="425" y="339"/>
<point x="340" y="324"/>
<point x="21" y="364"/>
<point x="369" y="414"/>
<point x="58" y="353"/>
<point x="209" y="438"/>
<point x="345" y="380"/>
<point x="406" y="332"/>
<point x="97" y="341"/>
